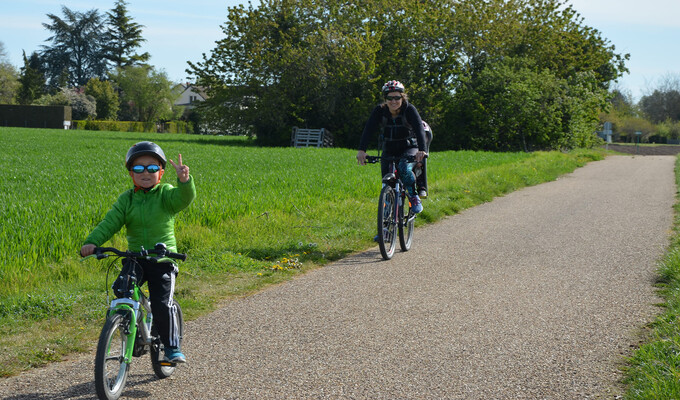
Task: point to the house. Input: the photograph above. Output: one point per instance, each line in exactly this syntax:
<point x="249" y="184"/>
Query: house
<point x="189" y="94"/>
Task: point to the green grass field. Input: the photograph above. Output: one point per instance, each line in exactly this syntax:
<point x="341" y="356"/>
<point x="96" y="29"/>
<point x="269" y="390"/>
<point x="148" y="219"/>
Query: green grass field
<point x="262" y="215"/>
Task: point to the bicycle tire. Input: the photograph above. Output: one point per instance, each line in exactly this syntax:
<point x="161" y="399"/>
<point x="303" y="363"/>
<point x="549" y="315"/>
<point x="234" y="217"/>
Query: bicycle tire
<point x="387" y="222"/>
<point x="406" y="223"/>
<point x="157" y="356"/>
<point x="110" y="369"/>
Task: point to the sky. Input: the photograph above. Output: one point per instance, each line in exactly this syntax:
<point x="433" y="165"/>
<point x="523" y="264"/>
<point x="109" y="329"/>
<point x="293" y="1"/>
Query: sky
<point x="180" y="31"/>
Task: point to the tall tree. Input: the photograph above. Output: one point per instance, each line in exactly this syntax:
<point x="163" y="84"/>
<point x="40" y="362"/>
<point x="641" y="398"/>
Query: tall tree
<point x="146" y="92"/>
<point x="664" y="102"/>
<point x="107" y="102"/>
<point x="123" y="36"/>
<point x="9" y="78"/>
<point x="294" y="50"/>
<point x="76" y="49"/>
<point x="31" y="80"/>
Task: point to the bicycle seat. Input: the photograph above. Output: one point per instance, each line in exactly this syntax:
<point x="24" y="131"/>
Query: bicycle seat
<point x="389" y="179"/>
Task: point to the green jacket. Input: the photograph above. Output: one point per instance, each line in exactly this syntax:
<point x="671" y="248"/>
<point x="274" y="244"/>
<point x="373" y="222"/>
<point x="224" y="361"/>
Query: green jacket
<point x="148" y="216"/>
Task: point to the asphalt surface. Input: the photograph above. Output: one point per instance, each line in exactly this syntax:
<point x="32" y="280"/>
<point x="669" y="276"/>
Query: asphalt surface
<point x="536" y="295"/>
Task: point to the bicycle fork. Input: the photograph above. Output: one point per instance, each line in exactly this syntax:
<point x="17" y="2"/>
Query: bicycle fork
<point x="131" y="308"/>
<point x="398" y="218"/>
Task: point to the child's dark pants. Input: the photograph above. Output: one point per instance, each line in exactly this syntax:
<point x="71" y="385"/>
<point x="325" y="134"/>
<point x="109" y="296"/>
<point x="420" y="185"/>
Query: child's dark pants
<point x="161" y="282"/>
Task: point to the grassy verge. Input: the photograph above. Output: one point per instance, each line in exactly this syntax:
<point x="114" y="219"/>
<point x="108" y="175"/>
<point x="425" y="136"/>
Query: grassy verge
<point x="653" y="372"/>
<point x="262" y="216"/>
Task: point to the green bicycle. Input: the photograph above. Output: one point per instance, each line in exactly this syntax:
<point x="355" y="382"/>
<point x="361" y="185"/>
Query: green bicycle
<point x="129" y="330"/>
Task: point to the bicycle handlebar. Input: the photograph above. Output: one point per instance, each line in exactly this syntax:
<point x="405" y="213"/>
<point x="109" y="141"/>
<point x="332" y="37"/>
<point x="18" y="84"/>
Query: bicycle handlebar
<point x="160" y="251"/>
<point x="375" y="159"/>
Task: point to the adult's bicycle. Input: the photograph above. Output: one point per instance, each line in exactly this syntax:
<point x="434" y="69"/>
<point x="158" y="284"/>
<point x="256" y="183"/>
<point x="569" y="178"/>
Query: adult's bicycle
<point x="395" y="216"/>
<point x="129" y="330"/>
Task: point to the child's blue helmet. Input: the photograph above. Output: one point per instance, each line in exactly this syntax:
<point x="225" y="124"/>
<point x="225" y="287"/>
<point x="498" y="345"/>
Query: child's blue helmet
<point x="144" y="148"/>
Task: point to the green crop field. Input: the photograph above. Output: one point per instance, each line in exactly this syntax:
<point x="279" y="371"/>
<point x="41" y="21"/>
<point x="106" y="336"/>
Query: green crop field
<point x="261" y="214"/>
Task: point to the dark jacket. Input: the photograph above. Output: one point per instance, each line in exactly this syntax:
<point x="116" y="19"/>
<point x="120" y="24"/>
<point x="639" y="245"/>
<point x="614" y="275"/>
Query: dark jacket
<point x="400" y="133"/>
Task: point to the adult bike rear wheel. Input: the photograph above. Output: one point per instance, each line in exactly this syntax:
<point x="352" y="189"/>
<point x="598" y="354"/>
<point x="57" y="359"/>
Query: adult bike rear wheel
<point x="110" y="368"/>
<point x="161" y="368"/>
<point x="387" y="222"/>
<point x="406" y="222"/>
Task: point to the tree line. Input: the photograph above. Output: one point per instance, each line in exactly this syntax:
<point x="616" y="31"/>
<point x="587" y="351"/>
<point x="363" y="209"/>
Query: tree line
<point x="486" y="74"/>
<point x="656" y="115"/>
<point x="515" y="75"/>
<point x="92" y="63"/>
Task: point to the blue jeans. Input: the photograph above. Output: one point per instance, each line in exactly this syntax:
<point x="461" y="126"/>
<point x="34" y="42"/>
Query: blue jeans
<point x="407" y="176"/>
<point x="405" y="170"/>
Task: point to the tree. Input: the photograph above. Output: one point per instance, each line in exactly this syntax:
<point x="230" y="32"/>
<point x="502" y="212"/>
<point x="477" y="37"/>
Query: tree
<point x="122" y="38"/>
<point x="328" y="60"/>
<point x="146" y="94"/>
<point x="320" y="59"/>
<point x="509" y="107"/>
<point x="664" y="102"/>
<point x="661" y="105"/>
<point x="106" y="98"/>
<point x="622" y="102"/>
<point x="31" y="80"/>
<point x="9" y="78"/>
<point x="76" y="51"/>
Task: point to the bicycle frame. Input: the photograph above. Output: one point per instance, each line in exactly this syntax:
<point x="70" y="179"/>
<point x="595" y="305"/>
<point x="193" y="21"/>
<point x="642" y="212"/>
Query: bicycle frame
<point x="394" y="180"/>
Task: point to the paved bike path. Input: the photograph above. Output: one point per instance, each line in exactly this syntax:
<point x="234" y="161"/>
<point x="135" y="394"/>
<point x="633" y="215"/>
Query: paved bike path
<point x="535" y="295"/>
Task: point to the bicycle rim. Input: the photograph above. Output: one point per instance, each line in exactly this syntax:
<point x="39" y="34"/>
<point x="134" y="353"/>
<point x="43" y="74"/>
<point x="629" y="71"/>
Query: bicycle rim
<point x="406" y="223"/>
<point x="387" y="222"/>
<point x="110" y="368"/>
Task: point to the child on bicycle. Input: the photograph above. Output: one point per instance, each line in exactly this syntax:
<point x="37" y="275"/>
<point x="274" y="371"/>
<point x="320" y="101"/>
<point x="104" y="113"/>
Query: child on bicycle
<point x="148" y="212"/>
<point x="403" y="134"/>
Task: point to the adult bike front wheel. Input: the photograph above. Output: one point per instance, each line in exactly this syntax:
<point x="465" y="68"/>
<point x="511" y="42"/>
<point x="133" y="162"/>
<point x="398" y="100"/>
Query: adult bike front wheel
<point x="387" y="222"/>
<point x="110" y="368"/>
<point x="162" y="368"/>
<point x="406" y="222"/>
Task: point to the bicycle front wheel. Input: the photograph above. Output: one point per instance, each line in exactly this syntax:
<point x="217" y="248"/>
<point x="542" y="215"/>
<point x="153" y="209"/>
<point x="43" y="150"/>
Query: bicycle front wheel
<point x="387" y="222"/>
<point x="110" y="368"/>
<point x="406" y="222"/>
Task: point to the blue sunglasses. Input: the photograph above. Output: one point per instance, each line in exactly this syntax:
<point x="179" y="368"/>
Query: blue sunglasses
<point x="152" y="169"/>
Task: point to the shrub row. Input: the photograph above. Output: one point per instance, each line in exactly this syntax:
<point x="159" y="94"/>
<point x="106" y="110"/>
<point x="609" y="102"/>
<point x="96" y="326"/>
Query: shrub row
<point x="134" y="126"/>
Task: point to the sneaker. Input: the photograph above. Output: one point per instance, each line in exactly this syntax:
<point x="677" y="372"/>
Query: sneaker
<point x="173" y="354"/>
<point x="416" y="205"/>
<point x="422" y="193"/>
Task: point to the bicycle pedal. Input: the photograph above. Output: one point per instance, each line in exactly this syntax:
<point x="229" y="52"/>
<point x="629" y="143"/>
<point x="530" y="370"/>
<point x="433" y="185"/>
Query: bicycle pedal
<point x="167" y="364"/>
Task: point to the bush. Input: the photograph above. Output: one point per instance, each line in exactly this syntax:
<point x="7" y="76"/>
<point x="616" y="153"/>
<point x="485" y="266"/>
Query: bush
<point x="83" y="106"/>
<point x="133" y="126"/>
<point x="511" y="105"/>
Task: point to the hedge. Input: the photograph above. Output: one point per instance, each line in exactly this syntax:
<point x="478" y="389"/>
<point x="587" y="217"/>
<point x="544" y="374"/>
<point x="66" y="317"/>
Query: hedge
<point x="134" y="126"/>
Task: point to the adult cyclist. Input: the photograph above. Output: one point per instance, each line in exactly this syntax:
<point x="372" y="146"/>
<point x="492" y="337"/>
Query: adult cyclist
<point x="403" y="135"/>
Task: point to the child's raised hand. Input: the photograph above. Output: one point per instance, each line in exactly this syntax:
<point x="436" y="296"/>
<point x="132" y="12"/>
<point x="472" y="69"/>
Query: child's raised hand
<point x="182" y="170"/>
